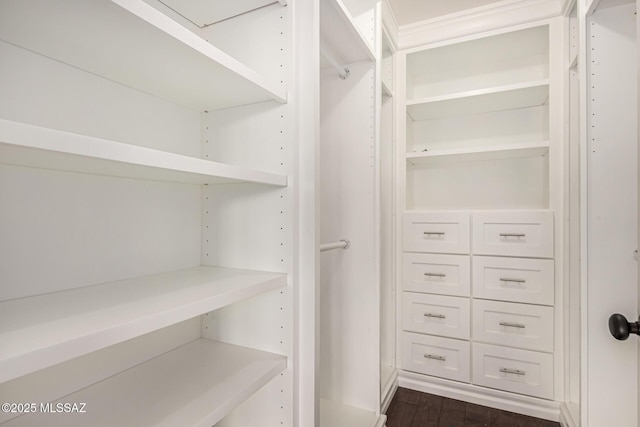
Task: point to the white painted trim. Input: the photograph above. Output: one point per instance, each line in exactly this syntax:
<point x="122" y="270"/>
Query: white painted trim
<point x="531" y="406"/>
<point x="390" y="24"/>
<point x="567" y="7"/>
<point x="477" y="20"/>
<point x="388" y="391"/>
<point x="382" y="421"/>
<point x="567" y="417"/>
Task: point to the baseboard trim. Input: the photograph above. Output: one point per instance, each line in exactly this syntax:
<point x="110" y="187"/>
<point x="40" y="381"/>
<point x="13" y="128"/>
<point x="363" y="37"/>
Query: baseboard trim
<point x="388" y="391"/>
<point x="534" y="407"/>
<point x="382" y="421"/>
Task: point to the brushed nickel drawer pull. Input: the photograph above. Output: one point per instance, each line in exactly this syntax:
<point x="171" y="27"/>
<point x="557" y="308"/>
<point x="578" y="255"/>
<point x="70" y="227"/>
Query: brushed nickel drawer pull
<point x="513" y="325"/>
<point x="437" y="316"/>
<point x="505" y="279"/>
<point x="512" y="371"/>
<point x="512" y="235"/>
<point x="435" y="357"/>
<point x="435" y="233"/>
<point x="435" y="274"/>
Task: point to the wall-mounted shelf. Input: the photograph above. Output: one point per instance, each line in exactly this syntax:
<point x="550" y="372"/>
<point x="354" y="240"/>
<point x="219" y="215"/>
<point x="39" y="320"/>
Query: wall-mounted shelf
<point x="194" y="385"/>
<point x="132" y="43"/>
<point x="340" y="34"/>
<point x="27" y="145"/>
<point x="496" y="152"/>
<point x="43" y="330"/>
<point x="499" y="98"/>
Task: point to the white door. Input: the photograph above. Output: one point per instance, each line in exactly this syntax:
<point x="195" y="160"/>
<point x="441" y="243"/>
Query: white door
<point x="611" y="367"/>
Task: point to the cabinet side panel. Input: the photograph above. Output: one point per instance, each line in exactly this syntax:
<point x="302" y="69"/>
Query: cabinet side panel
<point x="250" y="225"/>
<point x="349" y="296"/>
<point x="258" y="39"/>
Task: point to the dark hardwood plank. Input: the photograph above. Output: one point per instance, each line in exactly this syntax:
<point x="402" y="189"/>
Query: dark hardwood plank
<point x="410" y="408"/>
<point x="401" y="414"/>
<point x="477" y="416"/>
<point x="452" y="414"/>
<point x="429" y="409"/>
<point x="408" y="396"/>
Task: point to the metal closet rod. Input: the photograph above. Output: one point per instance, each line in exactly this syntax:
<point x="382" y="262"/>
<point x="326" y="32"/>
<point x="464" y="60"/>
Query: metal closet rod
<point x="341" y="244"/>
<point x="343" y="72"/>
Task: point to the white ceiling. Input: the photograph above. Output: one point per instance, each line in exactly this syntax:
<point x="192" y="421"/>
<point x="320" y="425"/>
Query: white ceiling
<point x="410" y="11"/>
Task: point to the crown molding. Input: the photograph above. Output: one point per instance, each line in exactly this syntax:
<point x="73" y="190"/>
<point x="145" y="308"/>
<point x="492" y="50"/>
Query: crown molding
<point x="390" y="25"/>
<point x="473" y="21"/>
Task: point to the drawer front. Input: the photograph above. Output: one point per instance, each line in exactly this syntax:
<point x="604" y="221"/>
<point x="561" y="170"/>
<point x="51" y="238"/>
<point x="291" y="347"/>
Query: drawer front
<point x="445" y="232"/>
<point x="509" y="369"/>
<point x="436" y="315"/>
<point x="514" y="279"/>
<point x="526" y="234"/>
<point x="514" y="325"/>
<point x="440" y="357"/>
<point x="437" y="274"/>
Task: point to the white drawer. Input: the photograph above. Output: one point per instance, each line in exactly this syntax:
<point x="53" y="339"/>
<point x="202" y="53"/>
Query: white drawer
<point x="436" y="315"/>
<point x="514" y="233"/>
<point x="514" y="279"/>
<point x="440" y="357"/>
<point x="510" y="369"/>
<point x="445" y="232"/>
<point x="437" y="274"/>
<point x="514" y="325"/>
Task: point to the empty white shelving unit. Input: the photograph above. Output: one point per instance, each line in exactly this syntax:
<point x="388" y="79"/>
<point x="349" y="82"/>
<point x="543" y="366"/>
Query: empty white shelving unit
<point x="147" y="212"/>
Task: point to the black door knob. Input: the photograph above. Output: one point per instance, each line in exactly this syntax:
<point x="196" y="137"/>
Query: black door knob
<point x="620" y="328"/>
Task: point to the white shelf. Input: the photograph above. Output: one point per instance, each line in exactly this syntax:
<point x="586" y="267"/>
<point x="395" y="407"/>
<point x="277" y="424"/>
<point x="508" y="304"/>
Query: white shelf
<point x="130" y="42"/>
<point x="334" y="414"/>
<point x="340" y="34"/>
<point x="194" y="385"/>
<point x="504" y="151"/>
<point x="27" y="145"/>
<point x="499" y="98"/>
<point x="44" y="330"/>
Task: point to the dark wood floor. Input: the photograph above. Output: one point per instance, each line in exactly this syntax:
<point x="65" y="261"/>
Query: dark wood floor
<point x="414" y="409"/>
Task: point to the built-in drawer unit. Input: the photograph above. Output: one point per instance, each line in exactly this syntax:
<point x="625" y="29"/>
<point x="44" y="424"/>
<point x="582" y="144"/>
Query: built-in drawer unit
<point x="437" y="274"/>
<point x="437" y="315"/>
<point x="444" y="232"/>
<point x="519" y="371"/>
<point x="514" y="325"/>
<point x="514" y="233"/>
<point x="513" y="279"/>
<point x="437" y="356"/>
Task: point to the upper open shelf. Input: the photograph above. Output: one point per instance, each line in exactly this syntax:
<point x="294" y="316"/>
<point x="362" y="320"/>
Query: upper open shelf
<point x="132" y="43"/>
<point x="340" y="35"/>
<point x="27" y="145"/>
<point x="495" y="152"/>
<point x="519" y="95"/>
<point x="41" y="331"/>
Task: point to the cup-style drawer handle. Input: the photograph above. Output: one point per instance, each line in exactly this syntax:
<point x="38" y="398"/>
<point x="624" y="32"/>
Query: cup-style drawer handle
<point x="512" y="235"/>
<point x="513" y="325"/>
<point x="435" y="357"/>
<point x="506" y="279"/>
<point x="433" y="233"/>
<point x="437" y="316"/>
<point x="512" y="371"/>
<point x="435" y="274"/>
